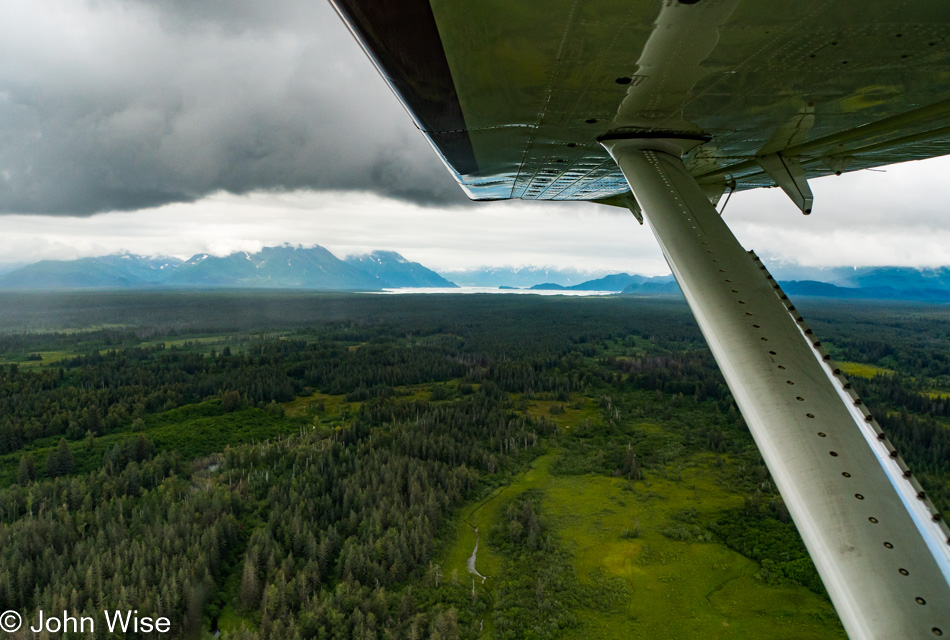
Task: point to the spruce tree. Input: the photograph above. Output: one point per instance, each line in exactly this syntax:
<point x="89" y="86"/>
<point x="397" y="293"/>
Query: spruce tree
<point x="60" y="462"/>
<point x="27" y="471"/>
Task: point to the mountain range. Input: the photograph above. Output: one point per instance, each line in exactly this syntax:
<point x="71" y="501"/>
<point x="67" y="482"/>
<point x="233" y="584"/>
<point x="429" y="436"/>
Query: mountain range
<point x="281" y="267"/>
<point x="620" y="282"/>
<point x="315" y="268"/>
<point x="873" y="283"/>
<point x="520" y="277"/>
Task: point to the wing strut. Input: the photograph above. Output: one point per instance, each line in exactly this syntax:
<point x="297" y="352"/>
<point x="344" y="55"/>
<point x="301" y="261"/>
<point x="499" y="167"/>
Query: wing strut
<point x="875" y="539"/>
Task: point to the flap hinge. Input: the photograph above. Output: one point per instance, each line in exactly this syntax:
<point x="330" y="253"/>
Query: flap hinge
<point x="789" y="175"/>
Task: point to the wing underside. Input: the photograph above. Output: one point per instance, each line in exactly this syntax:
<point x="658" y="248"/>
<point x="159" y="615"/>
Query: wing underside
<point x="514" y="99"/>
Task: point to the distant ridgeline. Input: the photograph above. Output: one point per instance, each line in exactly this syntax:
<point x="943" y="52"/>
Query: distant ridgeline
<point x="315" y="268"/>
<point x="281" y="267"/>
<point x="873" y="283"/>
<point x="622" y="283"/>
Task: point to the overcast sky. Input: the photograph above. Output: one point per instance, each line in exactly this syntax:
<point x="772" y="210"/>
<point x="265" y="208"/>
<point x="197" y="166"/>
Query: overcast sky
<point x="185" y="126"/>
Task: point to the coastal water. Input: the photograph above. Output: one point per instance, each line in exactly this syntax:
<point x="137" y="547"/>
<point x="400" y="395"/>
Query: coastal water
<point x="537" y="292"/>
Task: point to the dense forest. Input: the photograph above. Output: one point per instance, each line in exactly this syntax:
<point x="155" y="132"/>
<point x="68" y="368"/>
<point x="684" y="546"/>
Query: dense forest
<point x="289" y="465"/>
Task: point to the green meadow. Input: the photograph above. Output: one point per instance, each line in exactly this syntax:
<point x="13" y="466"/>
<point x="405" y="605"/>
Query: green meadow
<point x="640" y="554"/>
<point x="863" y="370"/>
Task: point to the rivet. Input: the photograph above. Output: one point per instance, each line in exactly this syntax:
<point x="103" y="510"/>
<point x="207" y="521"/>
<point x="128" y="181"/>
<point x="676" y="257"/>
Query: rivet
<point x="920" y="600"/>
<point x="822" y="434"/>
<point x="903" y="571"/>
<point x="789" y="382"/>
<point x="888" y="545"/>
<point x="936" y="631"/>
<point x="873" y="520"/>
<point x="834" y="454"/>
<point x="810" y="415"/>
<point x="859" y="496"/>
<point x="800" y="399"/>
<point x="846" y="474"/>
<point x="764" y="339"/>
<point x="781" y="367"/>
<point x="772" y="353"/>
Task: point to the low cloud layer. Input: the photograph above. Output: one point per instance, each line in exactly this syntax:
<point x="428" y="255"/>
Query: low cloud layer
<point x="860" y="219"/>
<point x="124" y="104"/>
<point x="568" y="235"/>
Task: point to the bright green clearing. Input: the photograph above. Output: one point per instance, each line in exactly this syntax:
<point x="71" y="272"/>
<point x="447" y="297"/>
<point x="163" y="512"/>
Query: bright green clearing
<point x="677" y="589"/>
<point x="315" y="404"/>
<point x="654" y="587"/>
<point x="862" y="370"/>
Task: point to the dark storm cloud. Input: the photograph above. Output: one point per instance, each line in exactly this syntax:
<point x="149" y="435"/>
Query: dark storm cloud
<point x="118" y="105"/>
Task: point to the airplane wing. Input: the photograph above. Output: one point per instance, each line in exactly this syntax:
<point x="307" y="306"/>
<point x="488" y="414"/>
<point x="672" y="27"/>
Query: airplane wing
<point x="515" y="95"/>
<point x="673" y="101"/>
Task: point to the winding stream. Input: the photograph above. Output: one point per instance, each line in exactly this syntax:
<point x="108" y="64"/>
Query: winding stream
<point x="471" y="559"/>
